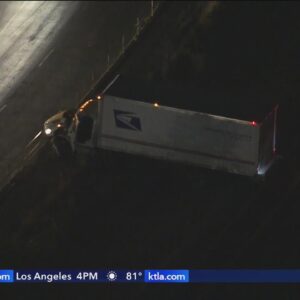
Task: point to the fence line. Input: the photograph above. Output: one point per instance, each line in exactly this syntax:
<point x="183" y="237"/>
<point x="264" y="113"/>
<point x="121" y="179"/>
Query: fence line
<point x="140" y="27"/>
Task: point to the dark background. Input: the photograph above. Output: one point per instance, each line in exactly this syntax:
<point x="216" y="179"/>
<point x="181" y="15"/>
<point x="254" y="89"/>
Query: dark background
<point x="125" y="212"/>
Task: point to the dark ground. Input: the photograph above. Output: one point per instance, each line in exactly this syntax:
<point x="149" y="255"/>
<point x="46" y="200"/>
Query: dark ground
<point x="126" y="212"/>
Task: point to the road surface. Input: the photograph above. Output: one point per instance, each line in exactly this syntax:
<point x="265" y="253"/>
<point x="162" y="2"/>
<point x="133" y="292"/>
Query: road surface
<point x="51" y="52"/>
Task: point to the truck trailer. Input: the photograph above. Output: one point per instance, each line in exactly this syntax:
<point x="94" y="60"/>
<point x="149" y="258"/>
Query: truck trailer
<point x="109" y="122"/>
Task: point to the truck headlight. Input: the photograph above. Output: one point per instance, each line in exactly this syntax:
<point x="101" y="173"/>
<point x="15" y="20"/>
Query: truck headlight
<point x="48" y="131"/>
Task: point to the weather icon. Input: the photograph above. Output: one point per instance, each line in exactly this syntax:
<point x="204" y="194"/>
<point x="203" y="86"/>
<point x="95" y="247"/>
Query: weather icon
<point x="111" y="275"/>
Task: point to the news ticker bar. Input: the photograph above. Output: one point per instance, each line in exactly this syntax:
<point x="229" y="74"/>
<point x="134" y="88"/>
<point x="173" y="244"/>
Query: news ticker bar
<point x="150" y="276"/>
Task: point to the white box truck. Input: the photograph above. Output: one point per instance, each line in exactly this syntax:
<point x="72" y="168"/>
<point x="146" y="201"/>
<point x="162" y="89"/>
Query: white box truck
<point x="161" y="132"/>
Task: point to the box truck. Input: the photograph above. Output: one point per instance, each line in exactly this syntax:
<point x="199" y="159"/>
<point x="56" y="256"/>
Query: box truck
<point x="152" y="130"/>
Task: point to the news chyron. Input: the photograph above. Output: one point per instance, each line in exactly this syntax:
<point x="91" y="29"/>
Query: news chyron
<point x="224" y="276"/>
<point x="101" y="276"/>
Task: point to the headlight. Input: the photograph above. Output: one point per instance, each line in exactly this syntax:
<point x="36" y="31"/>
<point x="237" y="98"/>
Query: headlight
<point x="48" y="131"/>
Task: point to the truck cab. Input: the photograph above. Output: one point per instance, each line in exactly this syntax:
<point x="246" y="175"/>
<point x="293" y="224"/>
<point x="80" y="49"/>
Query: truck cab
<point x="58" y="123"/>
<point x="72" y="130"/>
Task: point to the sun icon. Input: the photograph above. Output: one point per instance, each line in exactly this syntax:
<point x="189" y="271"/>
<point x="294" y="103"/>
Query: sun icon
<point x="111" y="275"/>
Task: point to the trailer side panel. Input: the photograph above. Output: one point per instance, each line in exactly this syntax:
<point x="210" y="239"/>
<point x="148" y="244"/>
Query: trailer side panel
<point x="179" y="135"/>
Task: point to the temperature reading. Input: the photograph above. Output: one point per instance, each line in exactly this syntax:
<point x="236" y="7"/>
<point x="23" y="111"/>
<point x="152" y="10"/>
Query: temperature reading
<point x="133" y="275"/>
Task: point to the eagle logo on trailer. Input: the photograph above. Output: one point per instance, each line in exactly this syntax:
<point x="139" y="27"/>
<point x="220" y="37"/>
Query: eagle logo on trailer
<point x="127" y="120"/>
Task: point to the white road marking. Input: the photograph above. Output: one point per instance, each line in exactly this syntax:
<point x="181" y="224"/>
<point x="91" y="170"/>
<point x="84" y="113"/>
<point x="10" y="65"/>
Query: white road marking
<point x="3" y="107"/>
<point x="33" y="150"/>
<point x="46" y="57"/>
<point x="37" y="135"/>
